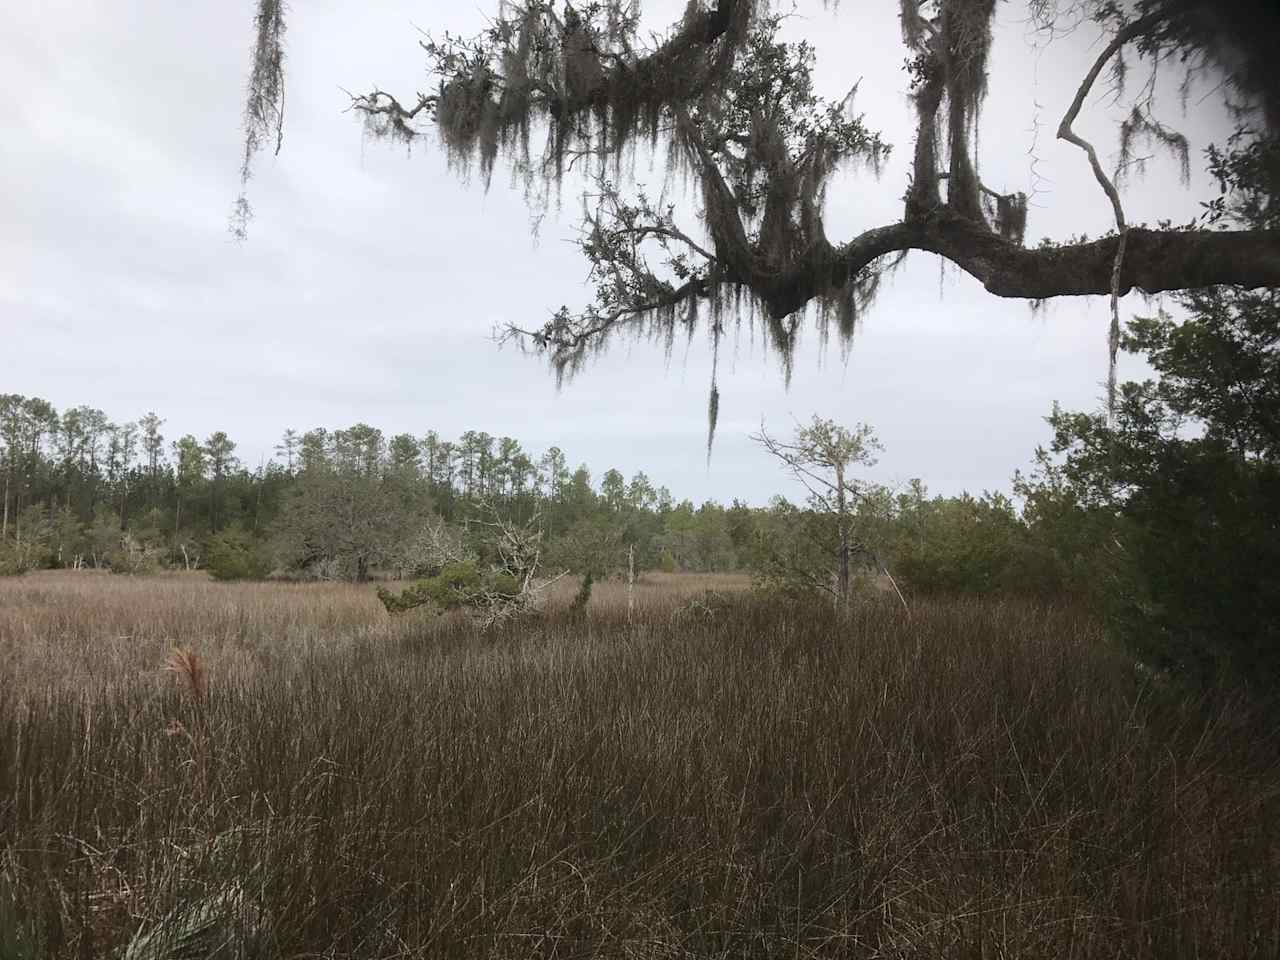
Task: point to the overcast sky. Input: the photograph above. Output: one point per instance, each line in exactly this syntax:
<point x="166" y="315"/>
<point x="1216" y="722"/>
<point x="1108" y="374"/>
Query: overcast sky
<point x="372" y="279"/>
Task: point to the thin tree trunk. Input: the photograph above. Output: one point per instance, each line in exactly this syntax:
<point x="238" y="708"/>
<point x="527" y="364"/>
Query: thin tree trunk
<point x="631" y="582"/>
<point x="844" y="567"/>
<point x="257" y="505"/>
<point x="841" y="508"/>
<point x="4" y="530"/>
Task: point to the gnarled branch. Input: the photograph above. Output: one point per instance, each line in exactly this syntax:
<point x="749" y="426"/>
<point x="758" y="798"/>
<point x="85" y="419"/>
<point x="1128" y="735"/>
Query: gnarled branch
<point x="1138" y="28"/>
<point x="742" y="117"/>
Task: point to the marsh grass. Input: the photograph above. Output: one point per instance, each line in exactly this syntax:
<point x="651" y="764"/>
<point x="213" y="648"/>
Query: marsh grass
<point x="727" y="779"/>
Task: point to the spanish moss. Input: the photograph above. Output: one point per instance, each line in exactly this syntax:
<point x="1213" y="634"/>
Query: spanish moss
<point x="264" y="103"/>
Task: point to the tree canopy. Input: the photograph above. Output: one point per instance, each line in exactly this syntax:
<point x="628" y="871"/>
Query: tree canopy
<point x="736" y="108"/>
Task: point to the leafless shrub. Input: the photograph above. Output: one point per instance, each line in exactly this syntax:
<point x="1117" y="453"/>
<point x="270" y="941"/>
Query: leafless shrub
<point x="432" y="546"/>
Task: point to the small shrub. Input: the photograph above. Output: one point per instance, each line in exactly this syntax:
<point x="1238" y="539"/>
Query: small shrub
<point x="137" y="556"/>
<point x="458" y="585"/>
<point x="234" y="555"/>
<point x="17" y="558"/>
<point x="578" y="606"/>
<point x="9" y="566"/>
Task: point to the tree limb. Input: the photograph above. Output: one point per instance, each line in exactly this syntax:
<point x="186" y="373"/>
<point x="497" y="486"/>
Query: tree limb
<point x="1156" y="260"/>
<point x="1065" y="132"/>
<point x="763" y="241"/>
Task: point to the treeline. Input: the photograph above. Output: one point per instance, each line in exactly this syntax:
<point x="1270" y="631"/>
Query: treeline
<point x="1163" y="518"/>
<point x="80" y="490"/>
<point x="83" y="491"/>
<point x="1173" y="539"/>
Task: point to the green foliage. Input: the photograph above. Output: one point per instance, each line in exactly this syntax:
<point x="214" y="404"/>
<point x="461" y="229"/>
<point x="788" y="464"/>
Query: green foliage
<point x="578" y="606"/>
<point x="68" y="542"/>
<point x="457" y="586"/>
<point x="1065" y="536"/>
<point x="1176" y="504"/>
<point x="342" y="504"/>
<point x="102" y="537"/>
<point x="28" y="547"/>
<point x="789" y="554"/>
<point x="235" y="555"/>
<point x="13" y="563"/>
<point x="944" y="546"/>
<point x="820" y="548"/>
<point x="962" y="545"/>
<point x="698" y="539"/>
<point x="1248" y="173"/>
<point x="592" y="545"/>
<point x="351" y="509"/>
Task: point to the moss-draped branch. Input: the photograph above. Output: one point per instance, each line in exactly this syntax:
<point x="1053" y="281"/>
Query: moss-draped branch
<point x="736" y="108"/>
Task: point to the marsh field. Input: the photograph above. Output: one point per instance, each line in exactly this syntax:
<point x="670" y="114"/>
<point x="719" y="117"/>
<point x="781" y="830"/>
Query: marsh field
<point x="200" y="769"/>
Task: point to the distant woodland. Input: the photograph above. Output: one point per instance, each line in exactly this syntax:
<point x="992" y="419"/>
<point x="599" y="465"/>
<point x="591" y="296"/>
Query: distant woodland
<point x="82" y="491"/>
<point x="1170" y="535"/>
<point x="1160" y="514"/>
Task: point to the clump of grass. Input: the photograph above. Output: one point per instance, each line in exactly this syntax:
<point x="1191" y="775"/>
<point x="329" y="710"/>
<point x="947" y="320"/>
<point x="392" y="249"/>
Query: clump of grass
<point x="189" y="670"/>
<point x="186" y="665"/>
<point x="221" y="925"/>
<point x="983" y="780"/>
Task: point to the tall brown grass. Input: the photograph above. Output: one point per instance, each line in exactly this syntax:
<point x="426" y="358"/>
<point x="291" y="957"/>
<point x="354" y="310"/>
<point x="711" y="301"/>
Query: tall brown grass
<point x="732" y="778"/>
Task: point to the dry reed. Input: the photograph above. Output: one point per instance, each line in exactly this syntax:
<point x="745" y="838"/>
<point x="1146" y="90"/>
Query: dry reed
<point x="742" y="780"/>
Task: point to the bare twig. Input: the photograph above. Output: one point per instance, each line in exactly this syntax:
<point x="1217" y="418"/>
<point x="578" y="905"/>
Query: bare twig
<point x="1065" y="132"/>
